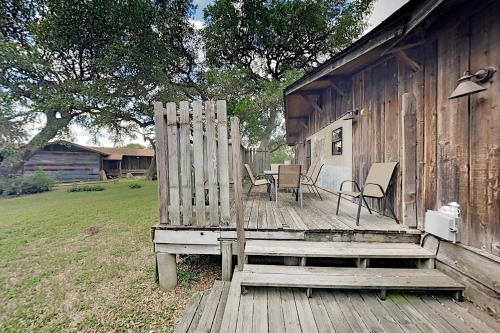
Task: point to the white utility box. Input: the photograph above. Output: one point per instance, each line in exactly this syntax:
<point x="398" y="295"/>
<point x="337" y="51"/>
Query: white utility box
<point x="442" y="225"/>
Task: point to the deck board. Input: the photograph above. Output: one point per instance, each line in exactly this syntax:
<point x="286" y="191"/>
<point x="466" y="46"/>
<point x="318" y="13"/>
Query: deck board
<point x="335" y="249"/>
<point x="347" y="278"/>
<point x="316" y="216"/>
<point x="289" y="310"/>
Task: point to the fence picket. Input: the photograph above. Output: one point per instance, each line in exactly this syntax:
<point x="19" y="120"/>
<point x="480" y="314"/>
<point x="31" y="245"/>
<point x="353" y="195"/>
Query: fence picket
<point x="213" y="193"/>
<point x="185" y="153"/>
<point x="173" y="163"/>
<point x="161" y="161"/>
<point x="199" y="174"/>
<point x="223" y="160"/>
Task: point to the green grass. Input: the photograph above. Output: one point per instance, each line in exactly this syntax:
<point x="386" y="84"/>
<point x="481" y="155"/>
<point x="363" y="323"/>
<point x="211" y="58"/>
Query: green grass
<point x="83" y="261"/>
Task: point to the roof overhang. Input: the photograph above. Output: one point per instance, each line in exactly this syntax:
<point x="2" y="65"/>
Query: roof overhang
<point x="299" y="97"/>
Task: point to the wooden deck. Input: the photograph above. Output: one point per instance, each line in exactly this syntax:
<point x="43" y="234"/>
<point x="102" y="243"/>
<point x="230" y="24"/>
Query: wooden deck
<point x="316" y="221"/>
<point x="290" y="310"/>
<point x="261" y="214"/>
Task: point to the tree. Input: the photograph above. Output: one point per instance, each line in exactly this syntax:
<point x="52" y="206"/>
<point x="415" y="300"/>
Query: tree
<point x="274" y="40"/>
<point x="98" y="63"/>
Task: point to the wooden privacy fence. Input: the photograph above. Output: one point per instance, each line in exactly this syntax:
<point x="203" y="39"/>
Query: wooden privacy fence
<point x="193" y="163"/>
<point x="258" y="160"/>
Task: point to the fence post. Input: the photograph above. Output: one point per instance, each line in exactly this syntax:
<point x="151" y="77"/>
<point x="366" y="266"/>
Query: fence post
<point x="238" y="190"/>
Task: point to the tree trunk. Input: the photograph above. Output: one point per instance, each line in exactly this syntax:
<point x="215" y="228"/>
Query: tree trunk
<point x="13" y="164"/>
<point x="151" y="173"/>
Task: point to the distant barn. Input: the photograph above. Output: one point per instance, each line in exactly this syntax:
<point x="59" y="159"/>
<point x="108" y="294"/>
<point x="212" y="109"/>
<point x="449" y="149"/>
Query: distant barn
<point x="69" y="161"/>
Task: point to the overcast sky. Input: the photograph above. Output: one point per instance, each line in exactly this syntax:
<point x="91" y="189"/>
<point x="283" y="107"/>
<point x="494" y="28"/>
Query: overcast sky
<point x="381" y="10"/>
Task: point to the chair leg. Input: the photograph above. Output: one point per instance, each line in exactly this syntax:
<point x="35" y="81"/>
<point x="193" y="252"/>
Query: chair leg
<point x="276" y="194"/>
<point x="391" y="209"/>
<point x="301" y="201"/>
<point x="250" y="189"/>
<point x="338" y="204"/>
<point x="296" y="194"/>
<point x="366" y="203"/>
<point x="359" y="208"/>
<point x="317" y="191"/>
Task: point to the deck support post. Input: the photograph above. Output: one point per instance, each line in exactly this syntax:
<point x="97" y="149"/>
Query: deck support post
<point x="291" y="261"/>
<point x="362" y="262"/>
<point x="383" y="294"/>
<point x="425" y="263"/>
<point x="458" y="295"/>
<point x="167" y="270"/>
<point x="227" y="260"/>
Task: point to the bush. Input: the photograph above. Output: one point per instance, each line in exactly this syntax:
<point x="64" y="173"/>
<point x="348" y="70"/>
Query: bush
<point x="34" y="182"/>
<point x="86" y="188"/>
<point x="134" y="186"/>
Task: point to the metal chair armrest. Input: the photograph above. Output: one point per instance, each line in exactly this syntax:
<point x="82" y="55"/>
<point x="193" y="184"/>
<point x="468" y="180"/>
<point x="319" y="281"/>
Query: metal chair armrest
<point x="380" y="187"/>
<point x="349" y="181"/>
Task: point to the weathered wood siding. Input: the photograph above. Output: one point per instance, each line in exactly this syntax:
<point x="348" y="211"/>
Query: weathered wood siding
<point x="66" y="165"/>
<point x="456" y="155"/>
<point x="136" y="163"/>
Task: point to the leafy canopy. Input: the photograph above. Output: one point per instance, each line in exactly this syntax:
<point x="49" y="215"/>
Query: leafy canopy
<point x="272" y="36"/>
<point x="261" y="46"/>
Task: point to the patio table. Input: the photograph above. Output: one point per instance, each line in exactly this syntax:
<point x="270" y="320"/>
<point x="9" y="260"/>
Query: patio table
<point x="272" y="175"/>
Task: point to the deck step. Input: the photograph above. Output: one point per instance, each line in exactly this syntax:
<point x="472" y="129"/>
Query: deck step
<point x="205" y="310"/>
<point x="288" y="248"/>
<point x="347" y="278"/>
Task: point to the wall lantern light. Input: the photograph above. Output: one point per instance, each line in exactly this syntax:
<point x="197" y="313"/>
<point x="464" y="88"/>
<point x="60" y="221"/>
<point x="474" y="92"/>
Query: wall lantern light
<point x="350" y="114"/>
<point x="468" y="84"/>
<point x="354" y="113"/>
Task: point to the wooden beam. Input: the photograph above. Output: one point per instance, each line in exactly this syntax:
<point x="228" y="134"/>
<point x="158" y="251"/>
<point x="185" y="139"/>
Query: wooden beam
<point x="313" y="103"/>
<point x="303" y="124"/>
<point x="337" y="89"/>
<point x="297" y="118"/>
<point x="408" y="160"/>
<point x="412" y="64"/>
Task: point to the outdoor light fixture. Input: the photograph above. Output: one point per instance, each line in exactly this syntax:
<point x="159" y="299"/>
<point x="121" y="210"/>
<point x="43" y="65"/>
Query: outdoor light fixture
<point x="468" y="84"/>
<point x="350" y="114"/>
<point x="364" y="112"/>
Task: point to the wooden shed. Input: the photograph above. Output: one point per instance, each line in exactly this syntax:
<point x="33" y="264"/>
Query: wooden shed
<point x="388" y="93"/>
<point x="67" y="161"/>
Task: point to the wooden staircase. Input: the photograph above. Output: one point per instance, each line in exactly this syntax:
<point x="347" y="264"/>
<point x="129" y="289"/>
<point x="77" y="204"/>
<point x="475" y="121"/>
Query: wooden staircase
<point x="424" y="277"/>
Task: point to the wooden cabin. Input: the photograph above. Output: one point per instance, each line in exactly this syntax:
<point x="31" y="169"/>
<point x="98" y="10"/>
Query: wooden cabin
<point x="313" y="268"/>
<point x="388" y="95"/>
<point x="68" y="161"/>
<point x="120" y="161"/>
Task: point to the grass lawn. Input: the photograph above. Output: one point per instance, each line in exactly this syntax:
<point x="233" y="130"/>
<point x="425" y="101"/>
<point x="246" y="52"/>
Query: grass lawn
<point x="84" y="261"/>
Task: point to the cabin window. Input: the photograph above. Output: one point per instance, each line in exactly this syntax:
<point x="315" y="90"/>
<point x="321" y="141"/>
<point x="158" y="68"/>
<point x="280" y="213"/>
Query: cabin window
<point x="308" y="154"/>
<point x="337" y="141"/>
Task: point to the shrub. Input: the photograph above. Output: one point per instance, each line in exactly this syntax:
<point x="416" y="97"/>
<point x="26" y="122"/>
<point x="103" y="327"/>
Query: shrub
<point x="35" y="182"/>
<point x="86" y="188"/>
<point x="134" y="186"/>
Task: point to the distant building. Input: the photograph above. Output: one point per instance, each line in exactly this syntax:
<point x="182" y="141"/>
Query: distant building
<point x="69" y="161"/>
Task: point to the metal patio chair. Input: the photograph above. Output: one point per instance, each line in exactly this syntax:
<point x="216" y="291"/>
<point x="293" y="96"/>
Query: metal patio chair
<point x="312" y="177"/>
<point x="256" y="182"/>
<point x="376" y="184"/>
<point x="289" y="178"/>
<point x="310" y="171"/>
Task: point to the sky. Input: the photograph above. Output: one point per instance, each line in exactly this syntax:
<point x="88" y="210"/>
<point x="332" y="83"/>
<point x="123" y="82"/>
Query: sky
<point x="381" y="10"/>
